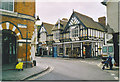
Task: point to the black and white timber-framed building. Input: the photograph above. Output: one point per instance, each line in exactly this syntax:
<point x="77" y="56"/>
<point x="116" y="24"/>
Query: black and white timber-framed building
<point x="79" y="31"/>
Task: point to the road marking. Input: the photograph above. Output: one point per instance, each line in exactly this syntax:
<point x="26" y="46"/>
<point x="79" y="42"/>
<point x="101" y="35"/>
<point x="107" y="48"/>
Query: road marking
<point x="112" y="74"/>
<point x="99" y="64"/>
<point x="116" y="78"/>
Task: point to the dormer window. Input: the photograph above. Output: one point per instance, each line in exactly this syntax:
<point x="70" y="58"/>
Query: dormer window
<point x="7" y="5"/>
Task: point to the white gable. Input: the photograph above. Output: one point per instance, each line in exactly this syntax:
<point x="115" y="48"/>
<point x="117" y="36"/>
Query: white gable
<point x="73" y="21"/>
<point x="42" y="29"/>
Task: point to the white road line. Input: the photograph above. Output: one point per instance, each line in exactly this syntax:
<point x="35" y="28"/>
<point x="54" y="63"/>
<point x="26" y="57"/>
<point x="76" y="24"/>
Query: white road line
<point x="112" y="74"/>
<point x="99" y="64"/>
<point x="116" y="78"/>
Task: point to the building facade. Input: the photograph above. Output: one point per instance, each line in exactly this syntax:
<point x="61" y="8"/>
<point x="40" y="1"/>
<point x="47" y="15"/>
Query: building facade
<point x="17" y="26"/>
<point x="113" y="17"/>
<point x="45" y="39"/>
<point x="69" y="38"/>
<point x="82" y="33"/>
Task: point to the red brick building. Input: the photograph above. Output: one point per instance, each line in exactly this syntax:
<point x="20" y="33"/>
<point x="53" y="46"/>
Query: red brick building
<point x="17" y="19"/>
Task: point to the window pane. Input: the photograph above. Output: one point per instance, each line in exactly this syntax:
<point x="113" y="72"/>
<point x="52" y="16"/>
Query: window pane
<point x="7" y="5"/>
<point x="0" y="5"/>
<point x="98" y="34"/>
<point x="91" y="32"/>
<point x="84" y="32"/>
<point x="11" y="6"/>
<point x="81" y="33"/>
<point x="14" y="49"/>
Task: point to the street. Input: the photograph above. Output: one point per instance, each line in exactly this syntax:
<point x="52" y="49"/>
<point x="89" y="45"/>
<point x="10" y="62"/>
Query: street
<point x="73" y="69"/>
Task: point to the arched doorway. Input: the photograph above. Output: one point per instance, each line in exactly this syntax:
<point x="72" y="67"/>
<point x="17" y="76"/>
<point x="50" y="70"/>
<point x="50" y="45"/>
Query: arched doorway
<point x="8" y="47"/>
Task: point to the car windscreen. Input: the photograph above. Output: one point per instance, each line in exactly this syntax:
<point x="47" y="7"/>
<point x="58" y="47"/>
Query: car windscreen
<point x="110" y="48"/>
<point x="104" y="49"/>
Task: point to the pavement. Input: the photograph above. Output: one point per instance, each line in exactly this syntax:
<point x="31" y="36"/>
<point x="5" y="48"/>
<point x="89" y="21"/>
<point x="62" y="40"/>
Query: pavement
<point x="114" y="72"/>
<point x="10" y="74"/>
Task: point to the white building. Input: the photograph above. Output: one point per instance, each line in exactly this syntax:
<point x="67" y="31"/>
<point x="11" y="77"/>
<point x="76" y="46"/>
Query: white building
<point x="113" y="17"/>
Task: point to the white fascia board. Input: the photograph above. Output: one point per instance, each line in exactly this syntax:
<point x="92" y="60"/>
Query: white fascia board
<point x="23" y="40"/>
<point x="76" y="42"/>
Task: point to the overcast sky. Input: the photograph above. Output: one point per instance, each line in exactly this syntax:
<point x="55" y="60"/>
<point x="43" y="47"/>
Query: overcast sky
<point x="51" y="10"/>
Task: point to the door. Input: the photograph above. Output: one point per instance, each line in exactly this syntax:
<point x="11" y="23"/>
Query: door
<point x="88" y="51"/>
<point x="8" y="47"/>
<point x="55" y="51"/>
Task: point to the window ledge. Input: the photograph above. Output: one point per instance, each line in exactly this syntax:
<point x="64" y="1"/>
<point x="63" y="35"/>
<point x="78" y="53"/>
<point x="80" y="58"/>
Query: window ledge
<point x="15" y="14"/>
<point x="7" y="11"/>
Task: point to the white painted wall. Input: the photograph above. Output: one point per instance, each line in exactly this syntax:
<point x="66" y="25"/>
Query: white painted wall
<point x="43" y="37"/>
<point x="112" y="15"/>
<point x="54" y="35"/>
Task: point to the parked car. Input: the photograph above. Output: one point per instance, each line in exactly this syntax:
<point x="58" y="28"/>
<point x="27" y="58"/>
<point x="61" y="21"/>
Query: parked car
<point x="107" y="50"/>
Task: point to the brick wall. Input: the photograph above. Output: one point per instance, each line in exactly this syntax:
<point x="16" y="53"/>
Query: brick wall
<point x="25" y="7"/>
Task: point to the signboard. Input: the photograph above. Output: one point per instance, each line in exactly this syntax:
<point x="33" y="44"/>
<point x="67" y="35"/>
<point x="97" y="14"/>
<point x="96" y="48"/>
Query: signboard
<point x="22" y="26"/>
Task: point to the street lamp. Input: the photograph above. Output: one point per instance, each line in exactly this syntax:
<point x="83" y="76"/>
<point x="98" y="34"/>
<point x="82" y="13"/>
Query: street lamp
<point x="26" y="46"/>
<point x="27" y="38"/>
<point x="34" y="40"/>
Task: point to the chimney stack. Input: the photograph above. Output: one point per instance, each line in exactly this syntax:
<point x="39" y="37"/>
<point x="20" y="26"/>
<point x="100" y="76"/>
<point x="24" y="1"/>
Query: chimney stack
<point x="102" y="20"/>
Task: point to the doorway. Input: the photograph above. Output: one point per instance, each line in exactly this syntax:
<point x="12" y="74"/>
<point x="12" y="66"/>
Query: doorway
<point x="8" y="47"/>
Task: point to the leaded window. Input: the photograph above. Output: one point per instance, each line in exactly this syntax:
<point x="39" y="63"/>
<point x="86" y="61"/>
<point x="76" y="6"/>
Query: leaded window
<point x="97" y="34"/>
<point x="75" y="31"/>
<point x="89" y="32"/>
<point x="84" y="32"/>
<point x="57" y="36"/>
<point x="81" y="33"/>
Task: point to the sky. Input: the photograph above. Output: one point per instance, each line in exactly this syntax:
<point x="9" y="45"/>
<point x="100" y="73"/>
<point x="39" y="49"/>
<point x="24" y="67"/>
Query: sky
<point x="51" y="10"/>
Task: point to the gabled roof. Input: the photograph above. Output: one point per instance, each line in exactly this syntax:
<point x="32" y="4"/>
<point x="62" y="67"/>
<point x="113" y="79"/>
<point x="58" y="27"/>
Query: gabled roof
<point x="47" y="26"/>
<point x="104" y="2"/>
<point x="63" y="23"/>
<point x="89" y="22"/>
